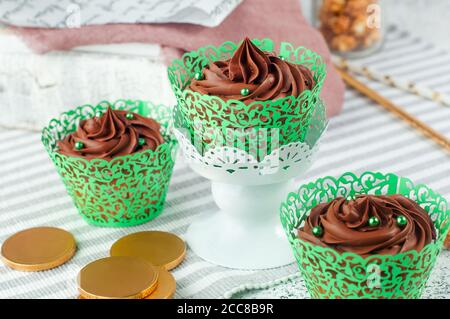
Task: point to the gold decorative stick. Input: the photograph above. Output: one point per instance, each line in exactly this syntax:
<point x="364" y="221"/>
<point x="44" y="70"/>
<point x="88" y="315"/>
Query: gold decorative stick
<point x="391" y="107"/>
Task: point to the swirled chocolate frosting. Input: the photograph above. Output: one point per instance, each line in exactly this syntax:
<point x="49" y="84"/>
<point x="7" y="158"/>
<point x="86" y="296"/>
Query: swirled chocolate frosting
<point x="346" y="228"/>
<point x="265" y="75"/>
<point x="113" y="134"/>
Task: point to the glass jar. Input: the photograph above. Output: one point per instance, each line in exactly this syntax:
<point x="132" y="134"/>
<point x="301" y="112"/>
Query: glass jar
<point x="351" y="28"/>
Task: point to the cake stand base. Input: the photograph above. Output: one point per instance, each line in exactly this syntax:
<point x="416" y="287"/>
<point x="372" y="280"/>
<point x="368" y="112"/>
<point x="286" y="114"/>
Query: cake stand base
<point x="246" y="232"/>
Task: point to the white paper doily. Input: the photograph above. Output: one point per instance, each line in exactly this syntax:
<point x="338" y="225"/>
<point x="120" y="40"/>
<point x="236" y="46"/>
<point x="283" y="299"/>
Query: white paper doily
<point x="233" y="160"/>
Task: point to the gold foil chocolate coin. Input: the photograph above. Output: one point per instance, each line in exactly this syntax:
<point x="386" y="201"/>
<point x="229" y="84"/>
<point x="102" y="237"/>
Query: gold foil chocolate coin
<point x="119" y="277"/>
<point x="166" y="286"/>
<point x="164" y="290"/>
<point x="160" y="248"/>
<point x="39" y="248"/>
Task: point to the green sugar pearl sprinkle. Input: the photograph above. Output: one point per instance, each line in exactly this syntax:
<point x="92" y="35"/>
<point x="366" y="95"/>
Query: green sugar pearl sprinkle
<point x="317" y="231"/>
<point x="79" y="146"/>
<point x="129" y="116"/>
<point x="401" y="221"/>
<point x="141" y="141"/>
<point x="374" y="221"/>
<point x="245" y="92"/>
<point x="198" y="76"/>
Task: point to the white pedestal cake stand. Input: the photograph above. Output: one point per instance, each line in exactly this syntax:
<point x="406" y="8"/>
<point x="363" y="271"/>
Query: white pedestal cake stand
<point x="245" y="231"/>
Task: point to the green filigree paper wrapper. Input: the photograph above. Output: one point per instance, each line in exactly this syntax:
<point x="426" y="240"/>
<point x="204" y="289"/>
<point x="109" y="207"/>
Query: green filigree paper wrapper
<point x="126" y="191"/>
<point x="330" y="274"/>
<point x="211" y="118"/>
<point x="259" y="143"/>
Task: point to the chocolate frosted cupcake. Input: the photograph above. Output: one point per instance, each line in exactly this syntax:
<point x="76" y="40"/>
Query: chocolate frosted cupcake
<point x="115" y="133"/>
<point x="115" y="160"/>
<point x="232" y="94"/>
<point x="369" y="225"/>
<point x="253" y="75"/>
<point x="368" y="236"/>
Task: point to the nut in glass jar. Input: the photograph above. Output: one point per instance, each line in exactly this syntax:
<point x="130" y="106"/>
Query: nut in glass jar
<point x="350" y="27"/>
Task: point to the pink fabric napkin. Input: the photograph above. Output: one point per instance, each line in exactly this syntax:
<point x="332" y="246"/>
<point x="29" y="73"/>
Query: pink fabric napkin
<point x="279" y="20"/>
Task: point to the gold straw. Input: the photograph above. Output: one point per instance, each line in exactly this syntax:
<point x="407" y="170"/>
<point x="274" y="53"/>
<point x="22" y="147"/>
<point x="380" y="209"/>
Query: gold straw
<point x="398" y="111"/>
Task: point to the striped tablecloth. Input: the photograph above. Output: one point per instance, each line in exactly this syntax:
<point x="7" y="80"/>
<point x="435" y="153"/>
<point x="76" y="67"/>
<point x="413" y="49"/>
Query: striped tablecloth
<point x="364" y="137"/>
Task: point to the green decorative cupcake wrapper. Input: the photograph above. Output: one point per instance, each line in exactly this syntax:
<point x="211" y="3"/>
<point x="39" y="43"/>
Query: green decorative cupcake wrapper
<point x="249" y="147"/>
<point x="126" y="191"/>
<point x="203" y="114"/>
<point x="330" y="274"/>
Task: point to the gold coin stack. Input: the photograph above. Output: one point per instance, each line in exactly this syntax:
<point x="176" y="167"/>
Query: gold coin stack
<point x="447" y="241"/>
<point x="138" y="268"/>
